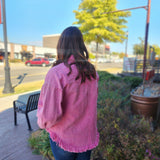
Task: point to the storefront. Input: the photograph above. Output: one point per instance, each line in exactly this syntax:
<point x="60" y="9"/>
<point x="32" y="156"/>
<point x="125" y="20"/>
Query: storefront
<point x="1" y="55"/>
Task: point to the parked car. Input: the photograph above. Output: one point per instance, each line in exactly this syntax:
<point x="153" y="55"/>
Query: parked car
<point x="51" y="60"/>
<point x="38" y="62"/>
<point x="99" y="60"/>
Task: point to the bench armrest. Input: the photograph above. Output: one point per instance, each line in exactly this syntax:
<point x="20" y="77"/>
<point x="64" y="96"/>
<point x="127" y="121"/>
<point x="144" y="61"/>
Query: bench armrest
<point x="18" y="103"/>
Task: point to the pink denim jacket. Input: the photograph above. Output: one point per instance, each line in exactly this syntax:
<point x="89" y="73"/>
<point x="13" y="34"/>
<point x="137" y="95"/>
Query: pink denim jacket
<point x="67" y="109"/>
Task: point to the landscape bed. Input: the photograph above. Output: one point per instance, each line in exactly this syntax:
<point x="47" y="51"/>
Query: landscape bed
<point x="123" y="136"/>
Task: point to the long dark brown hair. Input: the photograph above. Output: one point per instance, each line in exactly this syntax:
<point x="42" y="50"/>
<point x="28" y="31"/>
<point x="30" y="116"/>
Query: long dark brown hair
<point x="71" y="43"/>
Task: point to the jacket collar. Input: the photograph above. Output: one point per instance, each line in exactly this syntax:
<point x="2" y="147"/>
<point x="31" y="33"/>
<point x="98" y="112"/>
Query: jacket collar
<point x="71" y="59"/>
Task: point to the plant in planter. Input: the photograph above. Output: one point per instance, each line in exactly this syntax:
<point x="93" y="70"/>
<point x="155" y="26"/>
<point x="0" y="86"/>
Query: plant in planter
<point x="145" y="102"/>
<point x="145" y="98"/>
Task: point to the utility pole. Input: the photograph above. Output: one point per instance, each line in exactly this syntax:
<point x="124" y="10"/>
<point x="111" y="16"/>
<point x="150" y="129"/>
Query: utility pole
<point x="7" y="85"/>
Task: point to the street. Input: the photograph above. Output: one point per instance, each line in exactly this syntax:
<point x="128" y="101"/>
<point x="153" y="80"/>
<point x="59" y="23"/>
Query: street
<point x="23" y="74"/>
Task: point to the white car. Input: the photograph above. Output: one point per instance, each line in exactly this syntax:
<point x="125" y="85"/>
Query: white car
<point x="51" y="60"/>
<point x="99" y="60"/>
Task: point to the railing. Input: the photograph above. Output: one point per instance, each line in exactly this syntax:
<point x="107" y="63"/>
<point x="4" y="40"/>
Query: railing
<point x="139" y="66"/>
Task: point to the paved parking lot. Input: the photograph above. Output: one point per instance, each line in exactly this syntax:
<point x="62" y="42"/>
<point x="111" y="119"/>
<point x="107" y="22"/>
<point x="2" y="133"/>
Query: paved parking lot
<point x="34" y="73"/>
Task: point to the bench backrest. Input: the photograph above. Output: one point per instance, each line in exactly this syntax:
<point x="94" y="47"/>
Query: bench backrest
<point x="32" y="102"/>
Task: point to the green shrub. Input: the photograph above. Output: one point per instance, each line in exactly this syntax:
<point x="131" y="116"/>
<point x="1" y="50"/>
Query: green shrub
<point x="39" y="141"/>
<point x="125" y="137"/>
<point x="133" y="81"/>
<point x="113" y="91"/>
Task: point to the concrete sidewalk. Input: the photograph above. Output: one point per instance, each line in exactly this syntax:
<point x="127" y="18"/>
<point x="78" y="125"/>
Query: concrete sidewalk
<point x="14" y="139"/>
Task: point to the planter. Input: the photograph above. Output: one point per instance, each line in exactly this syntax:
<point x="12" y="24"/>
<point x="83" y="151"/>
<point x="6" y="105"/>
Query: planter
<point x="146" y="106"/>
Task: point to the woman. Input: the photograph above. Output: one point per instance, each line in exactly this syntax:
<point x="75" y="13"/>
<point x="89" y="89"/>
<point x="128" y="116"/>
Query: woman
<point x="67" y="107"/>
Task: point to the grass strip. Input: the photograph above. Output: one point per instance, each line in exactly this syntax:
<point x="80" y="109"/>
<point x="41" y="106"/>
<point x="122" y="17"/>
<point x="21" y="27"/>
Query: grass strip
<point x="24" y="87"/>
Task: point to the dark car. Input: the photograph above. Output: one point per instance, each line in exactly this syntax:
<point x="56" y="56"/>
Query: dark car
<point x="38" y="62"/>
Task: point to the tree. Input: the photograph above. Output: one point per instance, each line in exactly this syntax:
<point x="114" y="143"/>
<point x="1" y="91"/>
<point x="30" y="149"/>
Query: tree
<point x="156" y="49"/>
<point x="115" y="53"/>
<point x="96" y="25"/>
<point x="138" y="49"/>
<point x="121" y="55"/>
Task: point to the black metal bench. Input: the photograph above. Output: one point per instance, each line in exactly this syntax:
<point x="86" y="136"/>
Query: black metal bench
<point x="21" y="107"/>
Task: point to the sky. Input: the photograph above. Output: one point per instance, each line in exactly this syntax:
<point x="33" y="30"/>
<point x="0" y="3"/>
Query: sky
<point x="28" y="20"/>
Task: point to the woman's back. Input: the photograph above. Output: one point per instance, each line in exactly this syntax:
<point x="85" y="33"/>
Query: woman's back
<point x="67" y="106"/>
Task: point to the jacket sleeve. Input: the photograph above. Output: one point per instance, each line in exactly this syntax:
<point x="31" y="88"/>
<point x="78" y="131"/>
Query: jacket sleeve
<point x="49" y="105"/>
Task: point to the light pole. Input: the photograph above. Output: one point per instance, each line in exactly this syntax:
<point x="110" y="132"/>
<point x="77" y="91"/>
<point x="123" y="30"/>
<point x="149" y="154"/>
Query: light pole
<point x="146" y="38"/>
<point x="7" y="85"/>
<point x="126" y="43"/>
<point x="147" y="8"/>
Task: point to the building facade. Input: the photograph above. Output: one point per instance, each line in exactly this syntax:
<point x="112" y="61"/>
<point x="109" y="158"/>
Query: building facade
<point x="52" y="40"/>
<point x="49" y="48"/>
<point x="15" y="50"/>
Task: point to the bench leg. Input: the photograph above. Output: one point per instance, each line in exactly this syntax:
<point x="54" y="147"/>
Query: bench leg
<point x="15" y="118"/>
<point x="28" y="122"/>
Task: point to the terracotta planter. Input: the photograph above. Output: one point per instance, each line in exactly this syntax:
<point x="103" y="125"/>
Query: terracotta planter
<point x="146" y="106"/>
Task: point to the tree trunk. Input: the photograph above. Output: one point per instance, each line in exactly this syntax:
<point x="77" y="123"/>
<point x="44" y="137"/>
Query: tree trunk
<point x="96" y="54"/>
